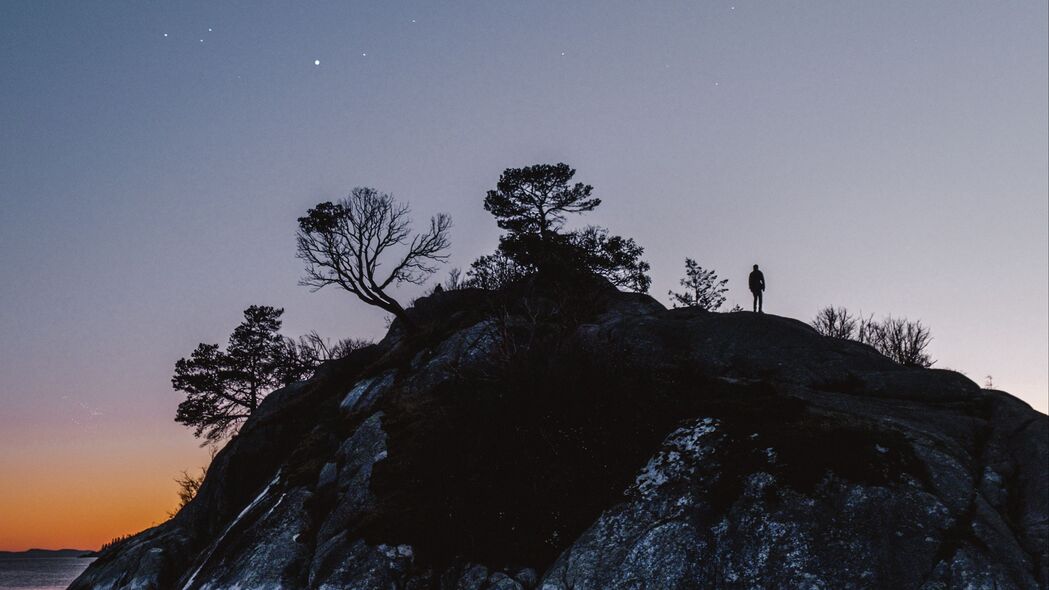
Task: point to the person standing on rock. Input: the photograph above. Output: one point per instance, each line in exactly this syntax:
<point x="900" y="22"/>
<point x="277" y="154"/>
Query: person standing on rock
<point x="757" y="287"/>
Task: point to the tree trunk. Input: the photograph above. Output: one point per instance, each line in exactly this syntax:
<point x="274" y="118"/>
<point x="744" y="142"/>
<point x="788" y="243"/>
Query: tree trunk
<point x="399" y="312"/>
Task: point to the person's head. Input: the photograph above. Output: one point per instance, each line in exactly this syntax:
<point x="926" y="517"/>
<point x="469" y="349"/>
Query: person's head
<point x="755" y="267"/>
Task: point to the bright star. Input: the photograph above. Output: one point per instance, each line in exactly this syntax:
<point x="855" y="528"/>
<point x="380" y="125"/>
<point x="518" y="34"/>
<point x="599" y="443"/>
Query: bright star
<point x="209" y="29"/>
<point x="364" y="55"/>
<point x="165" y="34"/>
<point x="316" y="62"/>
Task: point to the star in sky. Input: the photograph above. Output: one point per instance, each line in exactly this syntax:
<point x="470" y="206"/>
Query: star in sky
<point x="316" y="62"/>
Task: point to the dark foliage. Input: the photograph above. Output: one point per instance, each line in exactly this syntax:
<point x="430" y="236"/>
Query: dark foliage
<point x="535" y="199"/>
<point x="702" y="288"/>
<point x="223" y="387"/>
<point x="494" y="272"/>
<point x="115" y="541"/>
<point x="616" y="258"/>
<point x="531" y="204"/>
<point x="344" y="243"/>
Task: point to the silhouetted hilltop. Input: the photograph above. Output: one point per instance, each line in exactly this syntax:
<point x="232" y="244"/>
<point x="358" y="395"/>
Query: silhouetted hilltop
<point x="562" y="434"/>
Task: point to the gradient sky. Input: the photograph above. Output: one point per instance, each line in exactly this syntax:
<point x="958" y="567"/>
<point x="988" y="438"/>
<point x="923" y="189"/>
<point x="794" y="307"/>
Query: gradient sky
<point x="886" y="156"/>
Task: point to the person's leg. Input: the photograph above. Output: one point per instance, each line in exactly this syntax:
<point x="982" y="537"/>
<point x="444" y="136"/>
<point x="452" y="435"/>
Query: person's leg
<point x="756" y="295"/>
<point x="760" y="297"/>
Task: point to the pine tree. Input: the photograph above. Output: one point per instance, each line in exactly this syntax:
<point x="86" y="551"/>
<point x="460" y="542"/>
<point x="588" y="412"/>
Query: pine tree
<point x="224" y="387"/>
<point x="702" y="288"/>
<point x="535" y="199"/>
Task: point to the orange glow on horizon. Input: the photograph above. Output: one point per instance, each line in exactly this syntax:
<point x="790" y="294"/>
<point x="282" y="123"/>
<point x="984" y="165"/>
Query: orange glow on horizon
<point x="86" y="494"/>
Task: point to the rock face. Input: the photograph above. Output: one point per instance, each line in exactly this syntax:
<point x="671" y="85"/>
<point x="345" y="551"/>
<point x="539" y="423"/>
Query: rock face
<point x="562" y="435"/>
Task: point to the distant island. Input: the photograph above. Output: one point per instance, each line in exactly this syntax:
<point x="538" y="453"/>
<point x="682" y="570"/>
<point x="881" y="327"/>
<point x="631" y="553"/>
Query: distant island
<point x="48" y="553"/>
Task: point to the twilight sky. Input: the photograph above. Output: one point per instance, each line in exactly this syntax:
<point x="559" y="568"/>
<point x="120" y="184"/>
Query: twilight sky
<point x="886" y="156"/>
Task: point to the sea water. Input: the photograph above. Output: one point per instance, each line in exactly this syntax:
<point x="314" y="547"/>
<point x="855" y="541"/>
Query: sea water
<point x="40" y="573"/>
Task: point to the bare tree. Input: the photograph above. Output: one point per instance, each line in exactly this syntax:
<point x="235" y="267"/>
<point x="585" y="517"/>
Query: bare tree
<point x="187" y="488"/>
<point x="455" y="280"/>
<point x="835" y="322"/>
<point x="901" y="340"/>
<point x="300" y="358"/>
<point x="189" y="485"/>
<point x="868" y="331"/>
<point x="344" y="243"/>
<point x="905" y="342"/>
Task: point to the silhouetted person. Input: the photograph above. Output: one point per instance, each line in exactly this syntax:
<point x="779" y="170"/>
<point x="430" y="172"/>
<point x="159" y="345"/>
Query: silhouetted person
<point x="757" y="287"/>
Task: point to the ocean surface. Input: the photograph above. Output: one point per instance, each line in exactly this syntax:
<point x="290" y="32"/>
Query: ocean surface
<point x="40" y="573"/>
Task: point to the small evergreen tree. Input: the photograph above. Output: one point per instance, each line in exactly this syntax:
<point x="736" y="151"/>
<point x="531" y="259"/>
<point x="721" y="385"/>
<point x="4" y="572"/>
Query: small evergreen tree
<point x="494" y="271"/>
<point x="223" y="387"/>
<point x="702" y="288"/>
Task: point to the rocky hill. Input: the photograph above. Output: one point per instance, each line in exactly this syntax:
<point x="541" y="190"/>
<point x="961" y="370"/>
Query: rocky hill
<point x="564" y="435"/>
